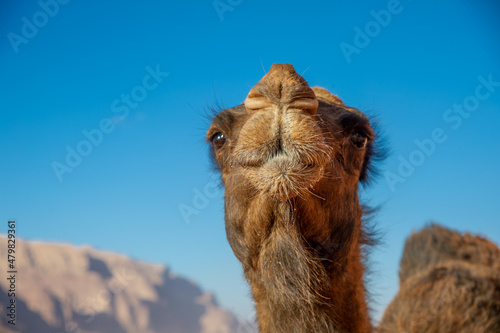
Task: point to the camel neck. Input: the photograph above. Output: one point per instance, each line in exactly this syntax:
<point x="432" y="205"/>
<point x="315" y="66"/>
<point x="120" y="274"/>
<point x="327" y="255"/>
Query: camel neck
<point x="296" y="291"/>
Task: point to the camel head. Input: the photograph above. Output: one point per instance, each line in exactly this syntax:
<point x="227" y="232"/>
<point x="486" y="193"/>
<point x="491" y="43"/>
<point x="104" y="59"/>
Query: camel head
<point x="293" y="144"/>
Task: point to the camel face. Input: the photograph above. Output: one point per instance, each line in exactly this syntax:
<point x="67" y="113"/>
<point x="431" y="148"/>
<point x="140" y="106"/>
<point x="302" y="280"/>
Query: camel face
<point x="284" y="139"/>
<point x="290" y="146"/>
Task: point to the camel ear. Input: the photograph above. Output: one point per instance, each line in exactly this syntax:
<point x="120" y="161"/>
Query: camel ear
<point x="324" y="95"/>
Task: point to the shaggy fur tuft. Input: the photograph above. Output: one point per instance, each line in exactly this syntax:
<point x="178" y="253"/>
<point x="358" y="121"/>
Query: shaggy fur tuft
<point x="449" y="283"/>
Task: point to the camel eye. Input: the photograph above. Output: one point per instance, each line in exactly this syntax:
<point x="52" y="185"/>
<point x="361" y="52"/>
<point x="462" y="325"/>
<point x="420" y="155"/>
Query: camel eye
<point x="359" y="140"/>
<point x="218" y="140"/>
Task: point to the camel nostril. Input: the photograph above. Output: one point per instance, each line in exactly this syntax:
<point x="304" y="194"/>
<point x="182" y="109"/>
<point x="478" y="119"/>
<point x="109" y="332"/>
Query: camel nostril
<point x="282" y="88"/>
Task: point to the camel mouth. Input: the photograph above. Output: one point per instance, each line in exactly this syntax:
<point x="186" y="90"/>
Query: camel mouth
<point x="283" y="177"/>
<point x="279" y="161"/>
<point x="310" y="152"/>
<point x="284" y="168"/>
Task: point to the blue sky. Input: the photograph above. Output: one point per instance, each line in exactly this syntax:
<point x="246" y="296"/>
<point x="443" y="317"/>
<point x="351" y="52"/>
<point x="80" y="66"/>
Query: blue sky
<point x="71" y="74"/>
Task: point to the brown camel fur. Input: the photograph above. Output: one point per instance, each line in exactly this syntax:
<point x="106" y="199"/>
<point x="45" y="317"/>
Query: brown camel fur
<point x="449" y="283"/>
<point x="291" y="159"/>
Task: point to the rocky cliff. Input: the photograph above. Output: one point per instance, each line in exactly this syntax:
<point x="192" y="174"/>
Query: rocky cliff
<point x="62" y="288"/>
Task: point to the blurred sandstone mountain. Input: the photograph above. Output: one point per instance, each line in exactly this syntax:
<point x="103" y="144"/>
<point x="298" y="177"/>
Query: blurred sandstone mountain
<point x="62" y="288"/>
